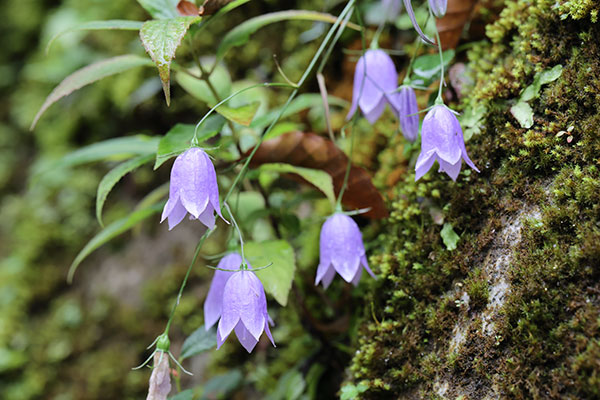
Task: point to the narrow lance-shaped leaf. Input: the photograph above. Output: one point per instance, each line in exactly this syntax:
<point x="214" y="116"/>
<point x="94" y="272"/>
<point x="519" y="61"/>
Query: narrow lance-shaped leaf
<point x="320" y="179"/>
<point x="161" y="38"/>
<point x="112" y="177"/>
<point x="277" y="279"/>
<point x="113" y="24"/>
<point x="90" y="74"/>
<point x="111" y="231"/>
<point x="241" y="33"/>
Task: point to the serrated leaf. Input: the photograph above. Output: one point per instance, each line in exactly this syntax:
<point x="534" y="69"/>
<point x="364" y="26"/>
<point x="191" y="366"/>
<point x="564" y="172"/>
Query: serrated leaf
<point x="277" y="279"/>
<point x="198" y="342"/>
<point x="427" y="68"/>
<point x="178" y="139"/>
<point x="112" y="177"/>
<point x="449" y="237"/>
<point x="161" y="38"/>
<point x="161" y="9"/>
<point x="111" y="149"/>
<point x="320" y="179"/>
<point x="114" y="24"/>
<point x="90" y="74"/>
<point x="241" y="33"/>
<point x="111" y="231"/>
<point x="523" y="113"/>
<point x="242" y="115"/>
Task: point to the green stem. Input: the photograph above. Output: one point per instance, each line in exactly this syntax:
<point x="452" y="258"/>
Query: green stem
<point x="338" y="205"/>
<point x="414" y="55"/>
<point x="439" y="99"/>
<point x="185" y="279"/>
<point x="307" y="72"/>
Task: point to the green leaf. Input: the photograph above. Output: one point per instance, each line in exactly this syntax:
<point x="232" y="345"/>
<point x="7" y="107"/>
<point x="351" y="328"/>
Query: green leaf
<point x="111" y="149"/>
<point x="112" y="177"/>
<point x="551" y="75"/>
<point x="198" y="342"/>
<point x="427" y="68"/>
<point x="178" y="139"/>
<point x="449" y="237"/>
<point x="161" y="38"/>
<point x="241" y="33"/>
<point x="184" y="395"/>
<point x="302" y="102"/>
<point x="541" y="78"/>
<point x="277" y="279"/>
<point x="320" y="179"/>
<point x="242" y="115"/>
<point x="523" y="113"/>
<point x="161" y="9"/>
<point x="111" y="231"/>
<point x="113" y="24"/>
<point x="90" y="74"/>
<point x="221" y="386"/>
<point x="350" y="392"/>
<point x="219" y="79"/>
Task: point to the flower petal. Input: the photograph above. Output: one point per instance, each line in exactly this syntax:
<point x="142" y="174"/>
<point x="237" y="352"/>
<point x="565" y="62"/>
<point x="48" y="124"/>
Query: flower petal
<point x="208" y="216"/>
<point x="214" y="298"/>
<point x="424" y="163"/>
<point x="176" y="214"/>
<point x="440" y="133"/>
<point x="451" y="169"/>
<point x="373" y="115"/>
<point x="268" y="332"/>
<point x="245" y="337"/>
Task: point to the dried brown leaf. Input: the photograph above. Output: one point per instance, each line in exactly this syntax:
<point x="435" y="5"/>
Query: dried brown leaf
<point x="187" y="8"/>
<point x="451" y="26"/>
<point x="309" y="150"/>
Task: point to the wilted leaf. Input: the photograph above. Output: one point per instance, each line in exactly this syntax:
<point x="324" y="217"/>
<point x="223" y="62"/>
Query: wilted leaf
<point x="178" y="139"/>
<point x="111" y="231"/>
<point x="90" y="74"/>
<point x="112" y="177"/>
<point x="309" y="150"/>
<point x="114" y="24"/>
<point x="198" y="342"/>
<point x="277" y="279"/>
<point x="241" y="33"/>
<point x="161" y="38"/>
<point x="449" y="237"/>
<point x="451" y="25"/>
<point x="209" y="7"/>
<point x="187" y="8"/>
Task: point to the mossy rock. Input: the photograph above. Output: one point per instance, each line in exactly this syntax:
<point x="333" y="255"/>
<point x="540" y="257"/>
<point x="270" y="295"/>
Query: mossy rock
<point x="514" y="311"/>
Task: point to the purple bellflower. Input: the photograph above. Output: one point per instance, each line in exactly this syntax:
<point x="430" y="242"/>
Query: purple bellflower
<point x="160" y="380"/>
<point x="341" y="251"/>
<point x="438" y="7"/>
<point x="193" y="188"/>
<point x="442" y="141"/>
<point x="244" y="309"/>
<point x="375" y="80"/>
<point x="214" y="299"/>
<point x="406" y="101"/>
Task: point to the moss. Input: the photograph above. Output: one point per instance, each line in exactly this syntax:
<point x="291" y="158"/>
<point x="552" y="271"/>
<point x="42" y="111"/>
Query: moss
<point x="544" y="337"/>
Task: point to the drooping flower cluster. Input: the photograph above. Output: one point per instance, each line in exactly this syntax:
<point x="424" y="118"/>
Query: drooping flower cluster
<point x="193" y="189"/>
<point x="442" y="141"/>
<point x="341" y="250"/>
<point x="237" y="300"/>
